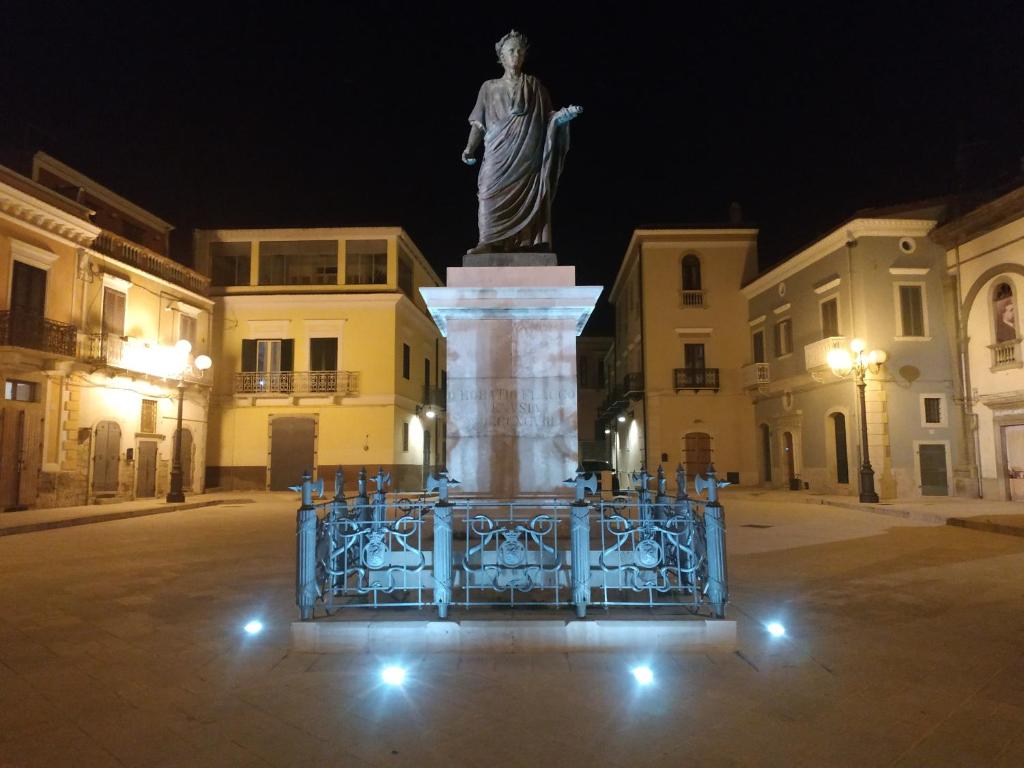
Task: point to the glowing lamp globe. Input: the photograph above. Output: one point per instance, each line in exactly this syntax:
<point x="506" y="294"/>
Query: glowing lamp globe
<point x="183" y="347"/>
<point x="203" y="362"/>
<point x="858" y="346"/>
<point x="839" y="361"/>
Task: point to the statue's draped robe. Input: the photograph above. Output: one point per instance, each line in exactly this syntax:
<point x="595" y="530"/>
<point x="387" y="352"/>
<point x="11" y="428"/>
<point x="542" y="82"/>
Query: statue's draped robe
<point x="524" y="149"/>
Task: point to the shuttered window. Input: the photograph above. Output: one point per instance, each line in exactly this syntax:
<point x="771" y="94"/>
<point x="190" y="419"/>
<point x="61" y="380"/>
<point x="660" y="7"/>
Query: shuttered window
<point x="912" y="310"/>
<point x="829" y="318"/>
<point x="113" y="312"/>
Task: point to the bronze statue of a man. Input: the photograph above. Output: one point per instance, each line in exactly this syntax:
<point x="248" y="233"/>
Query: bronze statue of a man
<point x="525" y="142"/>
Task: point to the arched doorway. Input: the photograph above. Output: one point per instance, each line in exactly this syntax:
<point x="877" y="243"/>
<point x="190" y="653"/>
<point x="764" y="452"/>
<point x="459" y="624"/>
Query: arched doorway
<point x="842" y="459"/>
<point x="789" y="459"/>
<point x="766" y="453"/>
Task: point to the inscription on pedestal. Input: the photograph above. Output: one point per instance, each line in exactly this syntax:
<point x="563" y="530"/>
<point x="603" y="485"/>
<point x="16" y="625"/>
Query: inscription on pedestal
<point x="534" y="407"/>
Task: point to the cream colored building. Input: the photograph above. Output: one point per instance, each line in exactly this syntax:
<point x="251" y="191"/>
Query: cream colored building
<point x="88" y="362"/>
<point x="324" y="356"/>
<point x="676" y="395"/>
<point x="985" y="258"/>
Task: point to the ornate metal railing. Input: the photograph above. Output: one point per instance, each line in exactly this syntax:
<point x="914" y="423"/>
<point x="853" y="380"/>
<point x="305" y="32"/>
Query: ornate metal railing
<point x="22" y="329"/>
<point x="118" y="248"/>
<point x="296" y="382"/>
<point x="641" y="548"/>
<point x="695" y="378"/>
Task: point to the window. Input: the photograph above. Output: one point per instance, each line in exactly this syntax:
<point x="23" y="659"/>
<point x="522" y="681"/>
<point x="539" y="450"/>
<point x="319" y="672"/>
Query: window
<point x="933" y="410"/>
<point x="229" y="263"/>
<point x="132" y="231"/>
<point x="405" y="436"/>
<point x="299" y="262"/>
<point x="911" y="310"/>
<point x="444" y="380"/>
<point x="406" y="352"/>
<point x="757" y="340"/>
<point x="147" y="420"/>
<point x="1004" y="313"/>
<point x="366" y="262"/>
<point x="187" y="328"/>
<point x="113" y="312"/>
<point x="783" y="337"/>
<point x="600" y="373"/>
<point x="426" y="371"/>
<point x="691" y="273"/>
<point x="693" y="356"/>
<point x="323" y="354"/>
<point x="267" y="355"/>
<point x="829" y="318"/>
<point x="25" y="391"/>
<point x="582" y="372"/>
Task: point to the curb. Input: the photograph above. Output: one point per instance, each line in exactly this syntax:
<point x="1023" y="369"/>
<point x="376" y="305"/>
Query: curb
<point x="986" y="526"/>
<point x="906" y="514"/>
<point x="107" y="517"/>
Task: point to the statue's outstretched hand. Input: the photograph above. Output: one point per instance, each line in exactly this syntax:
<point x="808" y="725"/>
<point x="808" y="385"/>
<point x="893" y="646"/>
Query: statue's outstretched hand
<point x="573" y="111"/>
<point x="467" y="157"/>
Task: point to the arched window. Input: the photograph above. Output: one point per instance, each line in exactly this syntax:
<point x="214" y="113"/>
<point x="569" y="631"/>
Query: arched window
<point x="691" y="273"/>
<point x="1004" y="312"/>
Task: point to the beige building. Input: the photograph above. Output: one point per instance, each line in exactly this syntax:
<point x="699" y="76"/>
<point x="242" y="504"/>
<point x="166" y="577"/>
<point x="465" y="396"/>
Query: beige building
<point x="94" y="309"/>
<point x="324" y="356"/>
<point x="676" y="394"/>
<point x="591" y="353"/>
<point x="985" y="257"/>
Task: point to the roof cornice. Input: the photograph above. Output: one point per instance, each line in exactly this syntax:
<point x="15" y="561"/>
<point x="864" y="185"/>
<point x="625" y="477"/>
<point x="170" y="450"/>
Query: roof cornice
<point x="832" y="242"/>
<point x="981" y="220"/>
<point x="47" y="219"/>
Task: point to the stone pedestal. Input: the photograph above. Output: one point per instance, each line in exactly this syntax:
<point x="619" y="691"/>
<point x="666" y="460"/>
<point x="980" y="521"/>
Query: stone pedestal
<point x="511" y="408"/>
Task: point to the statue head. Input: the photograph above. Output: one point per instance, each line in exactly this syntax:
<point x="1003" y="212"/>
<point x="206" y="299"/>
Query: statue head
<point x="513" y="36"/>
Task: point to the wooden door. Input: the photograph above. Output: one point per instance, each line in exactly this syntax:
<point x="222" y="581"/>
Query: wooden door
<point x="31" y="459"/>
<point x="10" y="452"/>
<point x="766" y="452"/>
<point x="1013" y="443"/>
<point x="28" y="305"/>
<point x="106" y="460"/>
<point x="697" y="450"/>
<point x="186" y="460"/>
<point x="787" y="448"/>
<point x="934" y="481"/>
<point x="145" y="469"/>
<point x="292" y="444"/>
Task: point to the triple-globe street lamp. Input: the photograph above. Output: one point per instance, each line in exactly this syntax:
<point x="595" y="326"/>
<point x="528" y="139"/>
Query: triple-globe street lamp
<point x="183" y="365"/>
<point x="856" y="361"/>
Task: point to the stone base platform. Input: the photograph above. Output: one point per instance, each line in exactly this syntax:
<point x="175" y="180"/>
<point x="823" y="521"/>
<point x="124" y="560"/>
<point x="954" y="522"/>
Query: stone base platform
<point x="514" y="636"/>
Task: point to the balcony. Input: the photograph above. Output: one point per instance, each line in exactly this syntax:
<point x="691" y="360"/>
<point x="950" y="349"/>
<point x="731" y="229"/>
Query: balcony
<point x="619" y="398"/>
<point x="1006" y="354"/>
<point x="135" y="355"/>
<point x="131" y="253"/>
<point x="22" y="329"/>
<point x="695" y="379"/>
<point x="296" y="383"/>
<point x="435" y="398"/>
<point x="693" y="300"/>
<point x="816" y="353"/>
<point x="755" y="375"/>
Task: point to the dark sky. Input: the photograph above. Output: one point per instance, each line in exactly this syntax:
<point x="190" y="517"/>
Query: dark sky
<point x="355" y="114"/>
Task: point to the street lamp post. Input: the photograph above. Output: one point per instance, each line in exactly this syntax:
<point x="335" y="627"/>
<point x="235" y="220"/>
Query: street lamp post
<point x="183" y="349"/>
<point x="855" y="361"/>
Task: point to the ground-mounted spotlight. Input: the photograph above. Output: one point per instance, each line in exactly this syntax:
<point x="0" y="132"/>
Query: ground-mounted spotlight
<point x="775" y="629"/>
<point x="642" y="674"/>
<point x="393" y="675"/>
<point x="254" y="627"/>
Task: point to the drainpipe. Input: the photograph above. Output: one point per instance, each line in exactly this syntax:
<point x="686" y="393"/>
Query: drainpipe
<point x="970" y="426"/>
<point x="643" y="337"/>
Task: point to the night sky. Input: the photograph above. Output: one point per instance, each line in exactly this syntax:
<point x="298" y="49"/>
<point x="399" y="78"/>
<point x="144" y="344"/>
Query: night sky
<point x="355" y="114"/>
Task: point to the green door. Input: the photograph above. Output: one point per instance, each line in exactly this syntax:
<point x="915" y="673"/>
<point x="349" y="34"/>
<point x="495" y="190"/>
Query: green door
<point x="934" y="481"/>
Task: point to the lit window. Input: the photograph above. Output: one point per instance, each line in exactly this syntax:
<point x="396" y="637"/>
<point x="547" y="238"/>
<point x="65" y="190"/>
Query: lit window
<point x="366" y="262"/>
<point x="25" y="391"/>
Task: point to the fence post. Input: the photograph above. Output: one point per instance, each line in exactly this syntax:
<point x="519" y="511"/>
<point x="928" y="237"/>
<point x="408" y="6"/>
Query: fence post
<point x="305" y="555"/>
<point x="579" y="541"/>
<point x="714" y="530"/>
<point x="442" y="542"/>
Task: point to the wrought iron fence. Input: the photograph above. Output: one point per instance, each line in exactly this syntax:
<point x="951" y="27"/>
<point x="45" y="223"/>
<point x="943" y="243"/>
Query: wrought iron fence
<point x="22" y="329"/>
<point x="695" y="378"/>
<point x="641" y="548"/>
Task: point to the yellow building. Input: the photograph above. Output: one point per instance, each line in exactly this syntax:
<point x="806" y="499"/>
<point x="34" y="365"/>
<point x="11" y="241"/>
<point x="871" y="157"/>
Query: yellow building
<point x="324" y="356"/>
<point x="676" y="394"/>
<point x="93" y="310"/>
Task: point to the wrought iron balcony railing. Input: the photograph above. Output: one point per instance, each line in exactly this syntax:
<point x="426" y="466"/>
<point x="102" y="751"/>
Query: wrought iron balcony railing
<point x="693" y="299"/>
<point x="695" y="378"/>
<point x="129" y="353"/>
<point x="22" y="329"/>
<point x="816" y="353"/>
<point x="118" y="248"/>
<point x="296" y="383"/>
<point x="755" y="375"/>
<point x="436" y="396"/>
<point x="633" y="384"/>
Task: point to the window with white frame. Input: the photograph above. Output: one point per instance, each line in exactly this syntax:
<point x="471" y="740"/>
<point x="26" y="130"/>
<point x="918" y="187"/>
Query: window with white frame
<point x="933" y="410"/>
<point x="910" y="310"/>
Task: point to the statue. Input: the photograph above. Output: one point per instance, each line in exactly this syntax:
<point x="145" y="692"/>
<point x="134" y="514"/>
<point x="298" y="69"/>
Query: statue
<point x="525" y="143"/>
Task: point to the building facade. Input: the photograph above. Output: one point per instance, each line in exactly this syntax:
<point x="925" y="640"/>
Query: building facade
<point x="675" y="394"/>
<point x="324" y="356"/>
<point x="878" y="278"/>
<point x="89" y="360"/>
<point x="985" y="259"/>
<point x="591" y="352"/>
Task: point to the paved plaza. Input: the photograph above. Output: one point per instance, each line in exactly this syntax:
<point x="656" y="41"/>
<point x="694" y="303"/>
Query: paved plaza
<point x="121" y="644"/>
